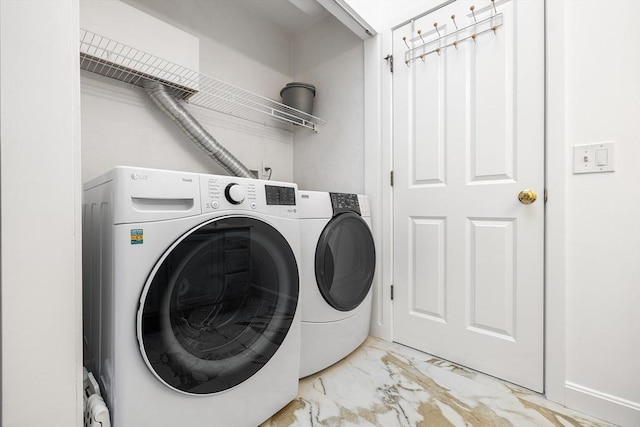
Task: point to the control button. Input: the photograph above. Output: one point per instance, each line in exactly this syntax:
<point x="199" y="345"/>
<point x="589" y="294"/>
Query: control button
<point x="253" y="205"/>
<point x="235" y="193"/>
<point x="215" y="204"/>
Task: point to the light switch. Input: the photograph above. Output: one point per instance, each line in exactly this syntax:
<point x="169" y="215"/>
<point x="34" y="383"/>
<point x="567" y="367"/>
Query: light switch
<point x="602" y="157"/>
<point x="593" y="158"/>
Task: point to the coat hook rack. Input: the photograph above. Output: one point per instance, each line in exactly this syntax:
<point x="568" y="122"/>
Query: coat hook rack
<point x="454" y="38"/>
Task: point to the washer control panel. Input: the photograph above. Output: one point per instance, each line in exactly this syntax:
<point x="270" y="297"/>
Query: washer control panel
<point x="344" y="202"/>
<point x="221" y="193"/>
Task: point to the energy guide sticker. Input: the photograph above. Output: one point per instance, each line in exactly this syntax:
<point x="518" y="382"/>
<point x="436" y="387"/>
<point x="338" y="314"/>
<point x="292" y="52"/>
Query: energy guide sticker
<point x="137" y="236"/>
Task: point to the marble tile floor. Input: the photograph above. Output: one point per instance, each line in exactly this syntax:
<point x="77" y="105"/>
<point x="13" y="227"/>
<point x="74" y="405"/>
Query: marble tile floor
<point x="387" y="385"/>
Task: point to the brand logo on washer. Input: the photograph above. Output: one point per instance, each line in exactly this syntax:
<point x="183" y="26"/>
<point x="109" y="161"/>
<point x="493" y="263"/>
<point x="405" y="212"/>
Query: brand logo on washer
<point x="187" y="180"/>
<point x="138" y="176"/>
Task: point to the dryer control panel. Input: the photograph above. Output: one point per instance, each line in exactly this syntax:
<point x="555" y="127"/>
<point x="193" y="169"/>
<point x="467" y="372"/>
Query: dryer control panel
<point x="344" y="202"/>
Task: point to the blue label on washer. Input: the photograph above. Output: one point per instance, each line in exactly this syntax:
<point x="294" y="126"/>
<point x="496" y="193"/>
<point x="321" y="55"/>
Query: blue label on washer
<point x="137" y="236"/>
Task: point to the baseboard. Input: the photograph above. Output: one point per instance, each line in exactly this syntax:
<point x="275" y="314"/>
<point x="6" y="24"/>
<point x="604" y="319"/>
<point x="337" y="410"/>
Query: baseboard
<point x="601" y="405"/>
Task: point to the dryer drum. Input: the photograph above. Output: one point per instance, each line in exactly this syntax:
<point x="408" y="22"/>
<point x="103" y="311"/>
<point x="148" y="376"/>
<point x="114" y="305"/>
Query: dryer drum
<point x="345" y="261"/>
<point x="219" y="304"/>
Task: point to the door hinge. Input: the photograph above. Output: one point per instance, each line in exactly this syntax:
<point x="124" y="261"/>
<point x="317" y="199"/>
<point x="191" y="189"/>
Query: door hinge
<point x="546" y="195"/>
<point x="391" y="178"/>
<point x="391" y="292"/>
<point x="389" y="58"/>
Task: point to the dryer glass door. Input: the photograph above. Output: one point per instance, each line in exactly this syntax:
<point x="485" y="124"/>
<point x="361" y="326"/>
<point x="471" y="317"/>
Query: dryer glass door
<point x="345" y="261"/>
<point x="218" y="305"/>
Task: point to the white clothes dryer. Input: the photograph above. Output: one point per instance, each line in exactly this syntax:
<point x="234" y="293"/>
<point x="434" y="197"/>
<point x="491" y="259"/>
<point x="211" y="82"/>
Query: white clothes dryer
<point x="337" y="267"/>
<point x="191" y="286"/>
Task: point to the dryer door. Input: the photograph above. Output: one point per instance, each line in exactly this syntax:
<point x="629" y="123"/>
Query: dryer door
<point x="345" y="261"/>
<point x="218" y="304"/>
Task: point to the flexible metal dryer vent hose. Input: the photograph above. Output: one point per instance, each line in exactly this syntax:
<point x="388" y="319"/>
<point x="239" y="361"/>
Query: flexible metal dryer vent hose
<point x="194" y="130"/>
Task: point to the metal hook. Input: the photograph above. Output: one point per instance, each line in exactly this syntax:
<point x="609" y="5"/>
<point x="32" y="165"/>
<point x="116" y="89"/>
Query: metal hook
<point x="435" y="25"/>
<point x="422" y="57"/>
<point x="420" y="34"/>
<point x="472" y="9"/>
<point x="493" y="3"/>
<point x="404" y="39"/>
<point x="453" y="18"/>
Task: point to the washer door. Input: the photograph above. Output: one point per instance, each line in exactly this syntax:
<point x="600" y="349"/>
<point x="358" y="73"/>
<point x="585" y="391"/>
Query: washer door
<point x="345" y="261"/>
<point x="218" y="304"/>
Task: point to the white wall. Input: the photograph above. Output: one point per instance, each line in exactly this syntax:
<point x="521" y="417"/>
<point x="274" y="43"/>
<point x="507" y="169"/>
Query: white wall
<point x="120" y="126"/>
<point x="235" y="46"/>
<point x="395" y="12"/>
<point x="602" y="211"/>
<point x="117" y="21"/>
<point x="249" y="52"/>
<point x="385" y="14"/>
<point x="330" y="57"/>
<point x="40" y="214"/>
<point x="369" y="11"/>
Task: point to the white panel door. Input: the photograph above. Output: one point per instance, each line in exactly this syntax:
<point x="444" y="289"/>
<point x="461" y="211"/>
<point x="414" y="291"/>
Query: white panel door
<point x="468" y="138"/>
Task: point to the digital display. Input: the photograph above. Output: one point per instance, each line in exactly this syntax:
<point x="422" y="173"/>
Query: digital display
<point x="280" y="195"/>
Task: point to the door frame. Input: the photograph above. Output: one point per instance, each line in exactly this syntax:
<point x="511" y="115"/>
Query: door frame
<point x="378" y="136"/>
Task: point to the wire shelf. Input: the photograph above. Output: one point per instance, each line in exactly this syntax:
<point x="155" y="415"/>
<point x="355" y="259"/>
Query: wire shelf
<point x="109" y="58"/>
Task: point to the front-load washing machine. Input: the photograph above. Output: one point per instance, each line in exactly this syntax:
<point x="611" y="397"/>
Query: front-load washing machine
<point x="337" y="266"/>
<point x="191" y="290"/>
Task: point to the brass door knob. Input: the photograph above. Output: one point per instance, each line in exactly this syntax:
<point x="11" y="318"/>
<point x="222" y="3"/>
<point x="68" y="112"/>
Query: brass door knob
<point x="527" y="197"/>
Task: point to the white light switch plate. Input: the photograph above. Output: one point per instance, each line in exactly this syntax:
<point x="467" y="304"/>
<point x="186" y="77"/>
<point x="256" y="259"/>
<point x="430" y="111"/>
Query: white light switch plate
<point x="593" y="158"/>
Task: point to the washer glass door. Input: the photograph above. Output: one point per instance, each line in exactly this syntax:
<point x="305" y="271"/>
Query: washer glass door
<point x="218" y="304"/>
<point x="345" y="261"/>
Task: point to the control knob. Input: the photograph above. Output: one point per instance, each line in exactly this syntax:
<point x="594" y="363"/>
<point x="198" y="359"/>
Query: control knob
<point x="234" y="193"/>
